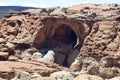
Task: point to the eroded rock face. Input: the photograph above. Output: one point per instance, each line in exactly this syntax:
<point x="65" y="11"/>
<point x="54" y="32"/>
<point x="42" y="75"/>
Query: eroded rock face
<point x="85" y="38"/>
<point x="62" y="75"/>
<point x="103" y="39"/>
<point x="9" y="69"/>
<point x="87" y="77"/>
<point x="43" y="78"/>
<point x="24" y="30"/>
<point x="100" y="52"/>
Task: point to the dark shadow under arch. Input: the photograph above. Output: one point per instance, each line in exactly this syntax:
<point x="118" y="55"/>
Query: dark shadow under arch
<point x="62" y="43"/>
<point x="64" y="35"/>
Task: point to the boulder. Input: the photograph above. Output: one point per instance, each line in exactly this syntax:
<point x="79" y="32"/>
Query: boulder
<point x="37" y="55"/>
<point x="76" y="65"/>
<point x="58" y="12"/>
<point x="41" y="67"/>
<point x="6" y="72"/>
<point x="88" y="77"/>
<point x="108" y="72"/>
<point x="25" y="54"/>
<point x="13" y="58"/>
<point x="2" y="40"/>
<point x="49" y="56"/>
<point x="4" y="48"/>
<point x="4" y="55"/>
<point x="10" y="46"/>
<point x="43" y="78"/>
<point x="62" y="75"/>
<point x="26" y="76"/>
<point x="115" y="78"/>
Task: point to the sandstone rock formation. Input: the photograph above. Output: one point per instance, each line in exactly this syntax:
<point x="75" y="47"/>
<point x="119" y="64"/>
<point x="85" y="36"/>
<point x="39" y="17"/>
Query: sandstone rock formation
<point x="9" y="70"/>
<point x="43" y="78"/>
<point x="87" y="77"/>
<point x="62" y="75"/>
<point x="84" y="37"/>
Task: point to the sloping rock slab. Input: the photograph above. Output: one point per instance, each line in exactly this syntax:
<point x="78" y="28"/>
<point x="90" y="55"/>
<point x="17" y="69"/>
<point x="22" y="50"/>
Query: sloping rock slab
<point x="41" y="67"/>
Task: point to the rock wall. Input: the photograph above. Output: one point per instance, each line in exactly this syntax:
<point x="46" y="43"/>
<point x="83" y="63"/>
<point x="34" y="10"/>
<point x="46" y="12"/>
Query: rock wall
<point x="100" y="52"/>
<point x="50" y="26"/>
<point x="31" y="29"/>
<point x="26" y="30"/>
<point x="88" y="42"/>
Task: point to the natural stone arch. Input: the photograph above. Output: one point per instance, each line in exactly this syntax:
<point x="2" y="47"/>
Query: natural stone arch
<point x="63" y="35"/>
<point x="64" y="40"/>
<point x="64" y="29"/>
<point x="50" y="25"/>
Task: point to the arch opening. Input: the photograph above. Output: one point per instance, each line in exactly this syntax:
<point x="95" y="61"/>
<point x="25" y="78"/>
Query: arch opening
<point x="64" y="35"/>
<point x="63" y="43"/>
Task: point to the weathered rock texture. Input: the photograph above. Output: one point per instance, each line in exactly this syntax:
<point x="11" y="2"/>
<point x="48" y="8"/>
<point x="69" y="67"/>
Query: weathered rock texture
<point x="9" y="69"/>
<point x="87" y="77"/>
<point x="102" y="46"/>
<point x="86" y="33"/>
<point x="28" y="28"/>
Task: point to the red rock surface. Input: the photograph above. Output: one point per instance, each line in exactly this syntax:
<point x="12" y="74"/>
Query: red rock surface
<point x="4" y="55"/>
<point x="44" y="78"/>
<point x="87" y="77"/>
<point x="93" y="30"/>
<point x="8" y="69"/>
